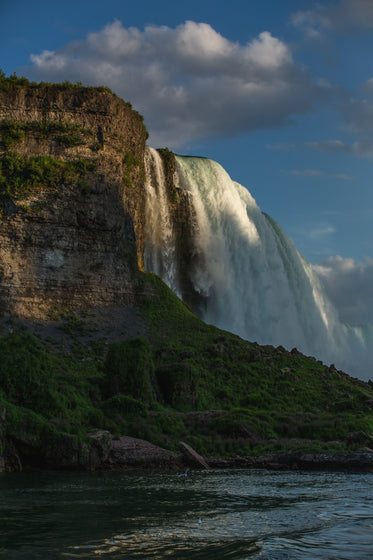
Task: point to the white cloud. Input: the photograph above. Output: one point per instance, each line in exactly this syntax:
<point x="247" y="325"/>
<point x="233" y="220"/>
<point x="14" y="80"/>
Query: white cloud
<point x="321" y="232"/>
<point x="307" y="172"/>
<point x="281" y="146"/>
<point x="349" y="286"/>
<point x="343" y="176"/>
<point x="342" y="15"/>
<point x="320" y="173"/>
<point x="189" y="82"/>
<point x="333" y="146"/>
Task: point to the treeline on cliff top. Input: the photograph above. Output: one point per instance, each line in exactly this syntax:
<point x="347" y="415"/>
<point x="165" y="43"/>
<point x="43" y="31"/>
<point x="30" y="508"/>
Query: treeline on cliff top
<point x="12" y="82"/>
<point x="223" y="395"/>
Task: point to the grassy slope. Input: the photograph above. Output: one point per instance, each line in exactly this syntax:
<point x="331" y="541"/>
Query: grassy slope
<point x="184" y="380"/>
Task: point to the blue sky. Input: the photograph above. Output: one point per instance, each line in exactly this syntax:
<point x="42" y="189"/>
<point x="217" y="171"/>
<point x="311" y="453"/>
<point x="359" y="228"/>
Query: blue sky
<point x="280" y="92"/>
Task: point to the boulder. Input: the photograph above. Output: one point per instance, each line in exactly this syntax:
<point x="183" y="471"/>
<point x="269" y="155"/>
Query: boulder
<point x="133" y="452"/>
<point x="192" y="457"/>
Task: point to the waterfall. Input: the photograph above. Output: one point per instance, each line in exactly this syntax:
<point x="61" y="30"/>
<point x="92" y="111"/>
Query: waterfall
<point x="254" y="281"/>
<point x="159" y="250"/>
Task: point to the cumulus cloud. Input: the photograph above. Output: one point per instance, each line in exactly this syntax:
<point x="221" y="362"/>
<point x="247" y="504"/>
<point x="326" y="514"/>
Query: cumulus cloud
<point x="338" y="16"/>
<point x="189" y="82"/>
<point x="349" y="286"/>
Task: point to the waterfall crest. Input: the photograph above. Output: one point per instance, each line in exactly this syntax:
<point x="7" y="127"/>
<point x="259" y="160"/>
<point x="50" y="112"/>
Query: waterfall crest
<point x="251" y="276"/>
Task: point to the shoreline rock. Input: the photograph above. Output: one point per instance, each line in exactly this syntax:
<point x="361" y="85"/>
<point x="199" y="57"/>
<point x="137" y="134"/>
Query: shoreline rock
<point x="300" y="460"/>
<point x="193" y="458"/>
<point x="133" y="452"/>
<point x="104" y="452"/>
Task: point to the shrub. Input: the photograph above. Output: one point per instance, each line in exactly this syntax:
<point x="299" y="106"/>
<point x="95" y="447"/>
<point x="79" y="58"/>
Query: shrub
<point x="130" y="161"/>
<point x="66" y="134"/>
<point x="19" y="175"/>
<point x="14" y="82"/>
<point x="124" y="405"/>
<point x="11" y="132"/>
<point x="129" y="369"/>
<point x="178" y="384"/>
<point x="26" y="373"/>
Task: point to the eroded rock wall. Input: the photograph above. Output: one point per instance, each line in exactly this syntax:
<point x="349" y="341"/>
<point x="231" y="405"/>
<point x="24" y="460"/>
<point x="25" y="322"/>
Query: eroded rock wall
<point x="80" y="243"/>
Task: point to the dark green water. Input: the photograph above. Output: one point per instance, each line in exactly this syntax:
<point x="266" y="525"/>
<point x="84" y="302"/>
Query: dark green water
<point x="255" y="515"/>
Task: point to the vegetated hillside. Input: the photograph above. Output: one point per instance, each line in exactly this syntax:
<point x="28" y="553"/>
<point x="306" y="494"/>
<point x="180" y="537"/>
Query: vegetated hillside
<point x="89" y="342"/>
<point x="180" y="380"/>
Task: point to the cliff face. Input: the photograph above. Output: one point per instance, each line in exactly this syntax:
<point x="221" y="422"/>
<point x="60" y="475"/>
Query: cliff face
<point x="71" y="199"/>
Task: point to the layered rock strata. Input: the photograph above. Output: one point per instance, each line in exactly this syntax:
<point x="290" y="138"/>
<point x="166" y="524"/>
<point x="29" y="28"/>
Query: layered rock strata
<point x="76" y="242"/>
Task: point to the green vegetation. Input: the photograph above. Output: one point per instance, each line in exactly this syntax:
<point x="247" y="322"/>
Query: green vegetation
<point x="129" y="369"/>
<point x="21" y="175"/>
<point x="185" y="381"/>
<point x="14" y="82"/>
<point x="167" y="156"/>
<point x="63" y="134"/>
<point x="38" y="385"/>
<point x="11" y="133"/>
<point x="130" y="163"/>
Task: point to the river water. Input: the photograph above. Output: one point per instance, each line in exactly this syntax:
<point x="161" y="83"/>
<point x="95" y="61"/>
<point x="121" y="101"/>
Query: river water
<point x="250" y="514"/>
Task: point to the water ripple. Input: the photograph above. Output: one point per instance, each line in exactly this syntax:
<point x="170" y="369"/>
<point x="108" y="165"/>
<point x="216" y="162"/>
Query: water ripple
<point x="237" y="515"/>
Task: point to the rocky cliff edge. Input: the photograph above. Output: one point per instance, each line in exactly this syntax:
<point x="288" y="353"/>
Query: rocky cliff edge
<point x="71" y="199"/>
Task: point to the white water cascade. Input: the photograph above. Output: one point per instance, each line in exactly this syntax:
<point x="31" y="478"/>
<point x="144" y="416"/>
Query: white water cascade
<point x="254" y="281"/>
<point x="159" y="254"/>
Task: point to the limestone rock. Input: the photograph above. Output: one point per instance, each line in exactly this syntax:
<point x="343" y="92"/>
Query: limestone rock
<point x="77" y="245"/>
<point x="133" y="452"/>
<point x="192" y="457"/>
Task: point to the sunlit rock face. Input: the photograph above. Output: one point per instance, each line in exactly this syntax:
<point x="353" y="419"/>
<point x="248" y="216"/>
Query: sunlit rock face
<point x="78" y="242"/>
